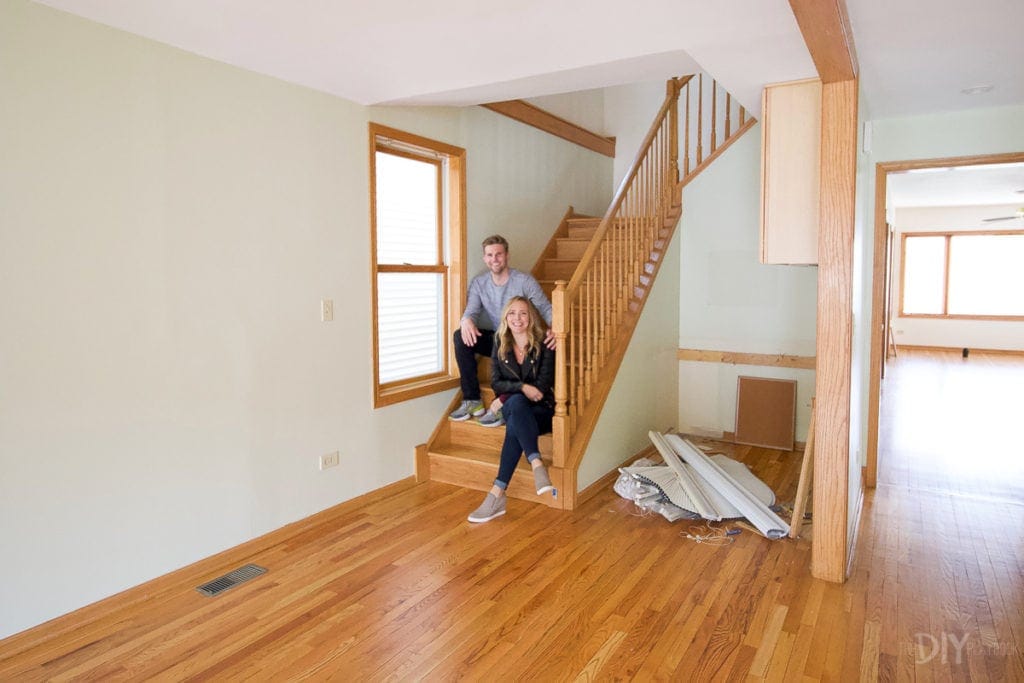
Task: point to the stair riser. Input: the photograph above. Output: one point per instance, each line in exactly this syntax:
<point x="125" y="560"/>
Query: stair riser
<point x="571" y="249"/>
<point x="559" y="270"/>
<point x="480" y="476"/>
<point x="575" y="249"/>
<point x="470" y="433"/>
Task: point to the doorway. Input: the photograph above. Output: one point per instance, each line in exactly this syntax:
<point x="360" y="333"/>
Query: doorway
<point x="879" y="321"/>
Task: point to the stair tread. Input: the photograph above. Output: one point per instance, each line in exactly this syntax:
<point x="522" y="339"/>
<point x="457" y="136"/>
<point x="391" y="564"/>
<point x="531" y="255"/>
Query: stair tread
<point x="479" y="454"/>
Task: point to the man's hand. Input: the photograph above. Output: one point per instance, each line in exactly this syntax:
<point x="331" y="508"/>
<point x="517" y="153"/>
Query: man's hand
<point x="549" y="339"/>
<point x="470" y="333"/>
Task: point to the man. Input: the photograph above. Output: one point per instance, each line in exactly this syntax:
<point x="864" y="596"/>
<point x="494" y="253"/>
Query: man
<point x="488" y="294"/>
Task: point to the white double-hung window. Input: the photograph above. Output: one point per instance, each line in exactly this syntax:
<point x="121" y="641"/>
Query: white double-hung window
<point x="417" y="240"/>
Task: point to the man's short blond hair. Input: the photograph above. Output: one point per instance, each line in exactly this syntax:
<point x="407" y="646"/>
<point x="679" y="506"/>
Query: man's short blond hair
<point x="495" y="239"/>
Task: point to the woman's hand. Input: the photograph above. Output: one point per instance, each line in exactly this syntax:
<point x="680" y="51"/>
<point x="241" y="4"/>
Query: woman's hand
<point x="533" y="393"/>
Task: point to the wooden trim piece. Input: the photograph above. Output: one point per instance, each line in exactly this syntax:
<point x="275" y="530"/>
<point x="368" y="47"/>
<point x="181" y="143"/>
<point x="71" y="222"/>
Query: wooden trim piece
<point x="806" y="468"/>
<point x="878" y="328"/>
<point x="826" y="29"/>
<point x="730" y="437"/>
<point x="195" y="573"/>
<point x="959" y="316"/>
<point x="948" y="162"/>
<point x="958" y="349"/>
<point x="737" y="358"/>
<point x="857" y="516"/>
<point x="407" y="392"/>
<point x="834" y="330"/>
<point x="422" y="463"/>
<point x="532" y="115"/>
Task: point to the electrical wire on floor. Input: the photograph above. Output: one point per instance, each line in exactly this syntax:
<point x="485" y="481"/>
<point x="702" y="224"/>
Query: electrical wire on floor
<point x="706" y="534"/>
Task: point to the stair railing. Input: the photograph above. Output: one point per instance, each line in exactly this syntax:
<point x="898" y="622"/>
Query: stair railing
<point x="598" y="308"/>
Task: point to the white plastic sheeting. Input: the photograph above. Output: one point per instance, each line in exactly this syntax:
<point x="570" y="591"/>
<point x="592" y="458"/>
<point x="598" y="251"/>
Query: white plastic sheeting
<point x="716" y="487"/>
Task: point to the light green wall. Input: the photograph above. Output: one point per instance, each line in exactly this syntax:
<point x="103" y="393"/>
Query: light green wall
<point x="168" y="226"/>
<point x="729" y="301"/>
<point x="964" y="133"/>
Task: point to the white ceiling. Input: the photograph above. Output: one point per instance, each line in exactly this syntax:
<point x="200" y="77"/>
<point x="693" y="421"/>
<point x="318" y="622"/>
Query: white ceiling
<point x="915" y="56"/>
<point x="958" y="186"/>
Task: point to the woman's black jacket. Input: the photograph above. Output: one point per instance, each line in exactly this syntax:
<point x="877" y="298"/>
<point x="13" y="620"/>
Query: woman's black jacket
<point x="538" y="369"/>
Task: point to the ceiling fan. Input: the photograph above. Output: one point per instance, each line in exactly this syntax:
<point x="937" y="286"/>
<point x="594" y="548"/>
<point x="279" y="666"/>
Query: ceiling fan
<point x="1019" y="213"/>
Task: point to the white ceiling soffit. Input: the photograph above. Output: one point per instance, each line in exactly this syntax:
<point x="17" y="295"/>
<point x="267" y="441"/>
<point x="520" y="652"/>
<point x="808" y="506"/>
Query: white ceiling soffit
<point x="982" y="185"/>
<point x="468" y="51"/>
<point x="636" y="70"/>
<point x="916" y="56"/>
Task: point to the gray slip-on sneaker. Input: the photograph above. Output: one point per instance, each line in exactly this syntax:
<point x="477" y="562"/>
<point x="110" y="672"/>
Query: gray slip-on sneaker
<point x="492" y="507"/>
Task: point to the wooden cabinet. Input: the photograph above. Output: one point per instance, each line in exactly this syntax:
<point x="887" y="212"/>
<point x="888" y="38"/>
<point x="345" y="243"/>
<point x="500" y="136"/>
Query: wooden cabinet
<point x="790" y="151"/>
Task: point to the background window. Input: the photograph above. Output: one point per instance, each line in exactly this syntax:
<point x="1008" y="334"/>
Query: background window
<point x="957" y="274"/>
<point x="417" y="225"/>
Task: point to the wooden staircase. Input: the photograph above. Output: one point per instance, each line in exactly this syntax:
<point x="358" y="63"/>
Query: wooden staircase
<point x="466" y="454"/>
<point x="597" y="273"/>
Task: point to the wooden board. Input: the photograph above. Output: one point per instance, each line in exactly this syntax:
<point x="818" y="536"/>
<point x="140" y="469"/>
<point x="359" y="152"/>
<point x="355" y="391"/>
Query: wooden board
<point x="766" y="412"/>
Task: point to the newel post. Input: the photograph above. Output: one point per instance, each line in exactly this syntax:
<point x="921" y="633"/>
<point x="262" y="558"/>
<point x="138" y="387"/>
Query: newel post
<point x="560" y="422"/>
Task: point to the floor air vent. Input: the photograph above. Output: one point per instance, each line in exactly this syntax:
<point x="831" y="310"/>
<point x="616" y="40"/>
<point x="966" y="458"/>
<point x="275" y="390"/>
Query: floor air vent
<point x="231" y="579"/>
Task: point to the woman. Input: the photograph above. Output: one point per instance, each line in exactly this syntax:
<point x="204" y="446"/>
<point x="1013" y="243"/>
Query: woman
<point x="523" y="377"/>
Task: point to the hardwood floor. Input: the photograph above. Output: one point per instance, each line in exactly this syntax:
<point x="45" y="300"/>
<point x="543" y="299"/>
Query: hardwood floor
<point x="403" y="588"/>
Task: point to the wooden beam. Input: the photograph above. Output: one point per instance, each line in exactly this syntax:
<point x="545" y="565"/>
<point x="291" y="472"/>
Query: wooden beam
<point x="735" y="358"/>
<point x="531" y="115"/>
<point x="834" y="330"/>
<point x="825" y="26"/>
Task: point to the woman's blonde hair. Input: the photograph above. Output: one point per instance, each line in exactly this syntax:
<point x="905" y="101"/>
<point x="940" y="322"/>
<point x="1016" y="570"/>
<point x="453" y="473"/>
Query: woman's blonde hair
<point x="535" y="332"/>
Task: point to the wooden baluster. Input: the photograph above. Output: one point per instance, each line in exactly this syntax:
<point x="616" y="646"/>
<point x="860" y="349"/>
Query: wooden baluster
<point x="588" y="356"/>
<point x="673" y="129"/>
<point x="559" y="423"/>
<point x="606" y="303"/>
<point x="618" y="272"/>
<point x="728" y="112"/>
<point x="667" y="181"/>
<point x="714" y="115"/>
<point x="700" y="118"/>
<point x="574" y="353"/>
<point x="686" y="129"/>
<point x="600" y="317"/>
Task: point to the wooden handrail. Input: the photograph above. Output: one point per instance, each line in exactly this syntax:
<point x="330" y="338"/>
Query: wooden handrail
<point x="627" y="180"/>
<point x="594" y="314"/>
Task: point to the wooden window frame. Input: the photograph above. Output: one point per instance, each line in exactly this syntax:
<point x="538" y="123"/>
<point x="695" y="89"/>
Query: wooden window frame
<point x="451" y="162"/>
<point x="948" y="234"/>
